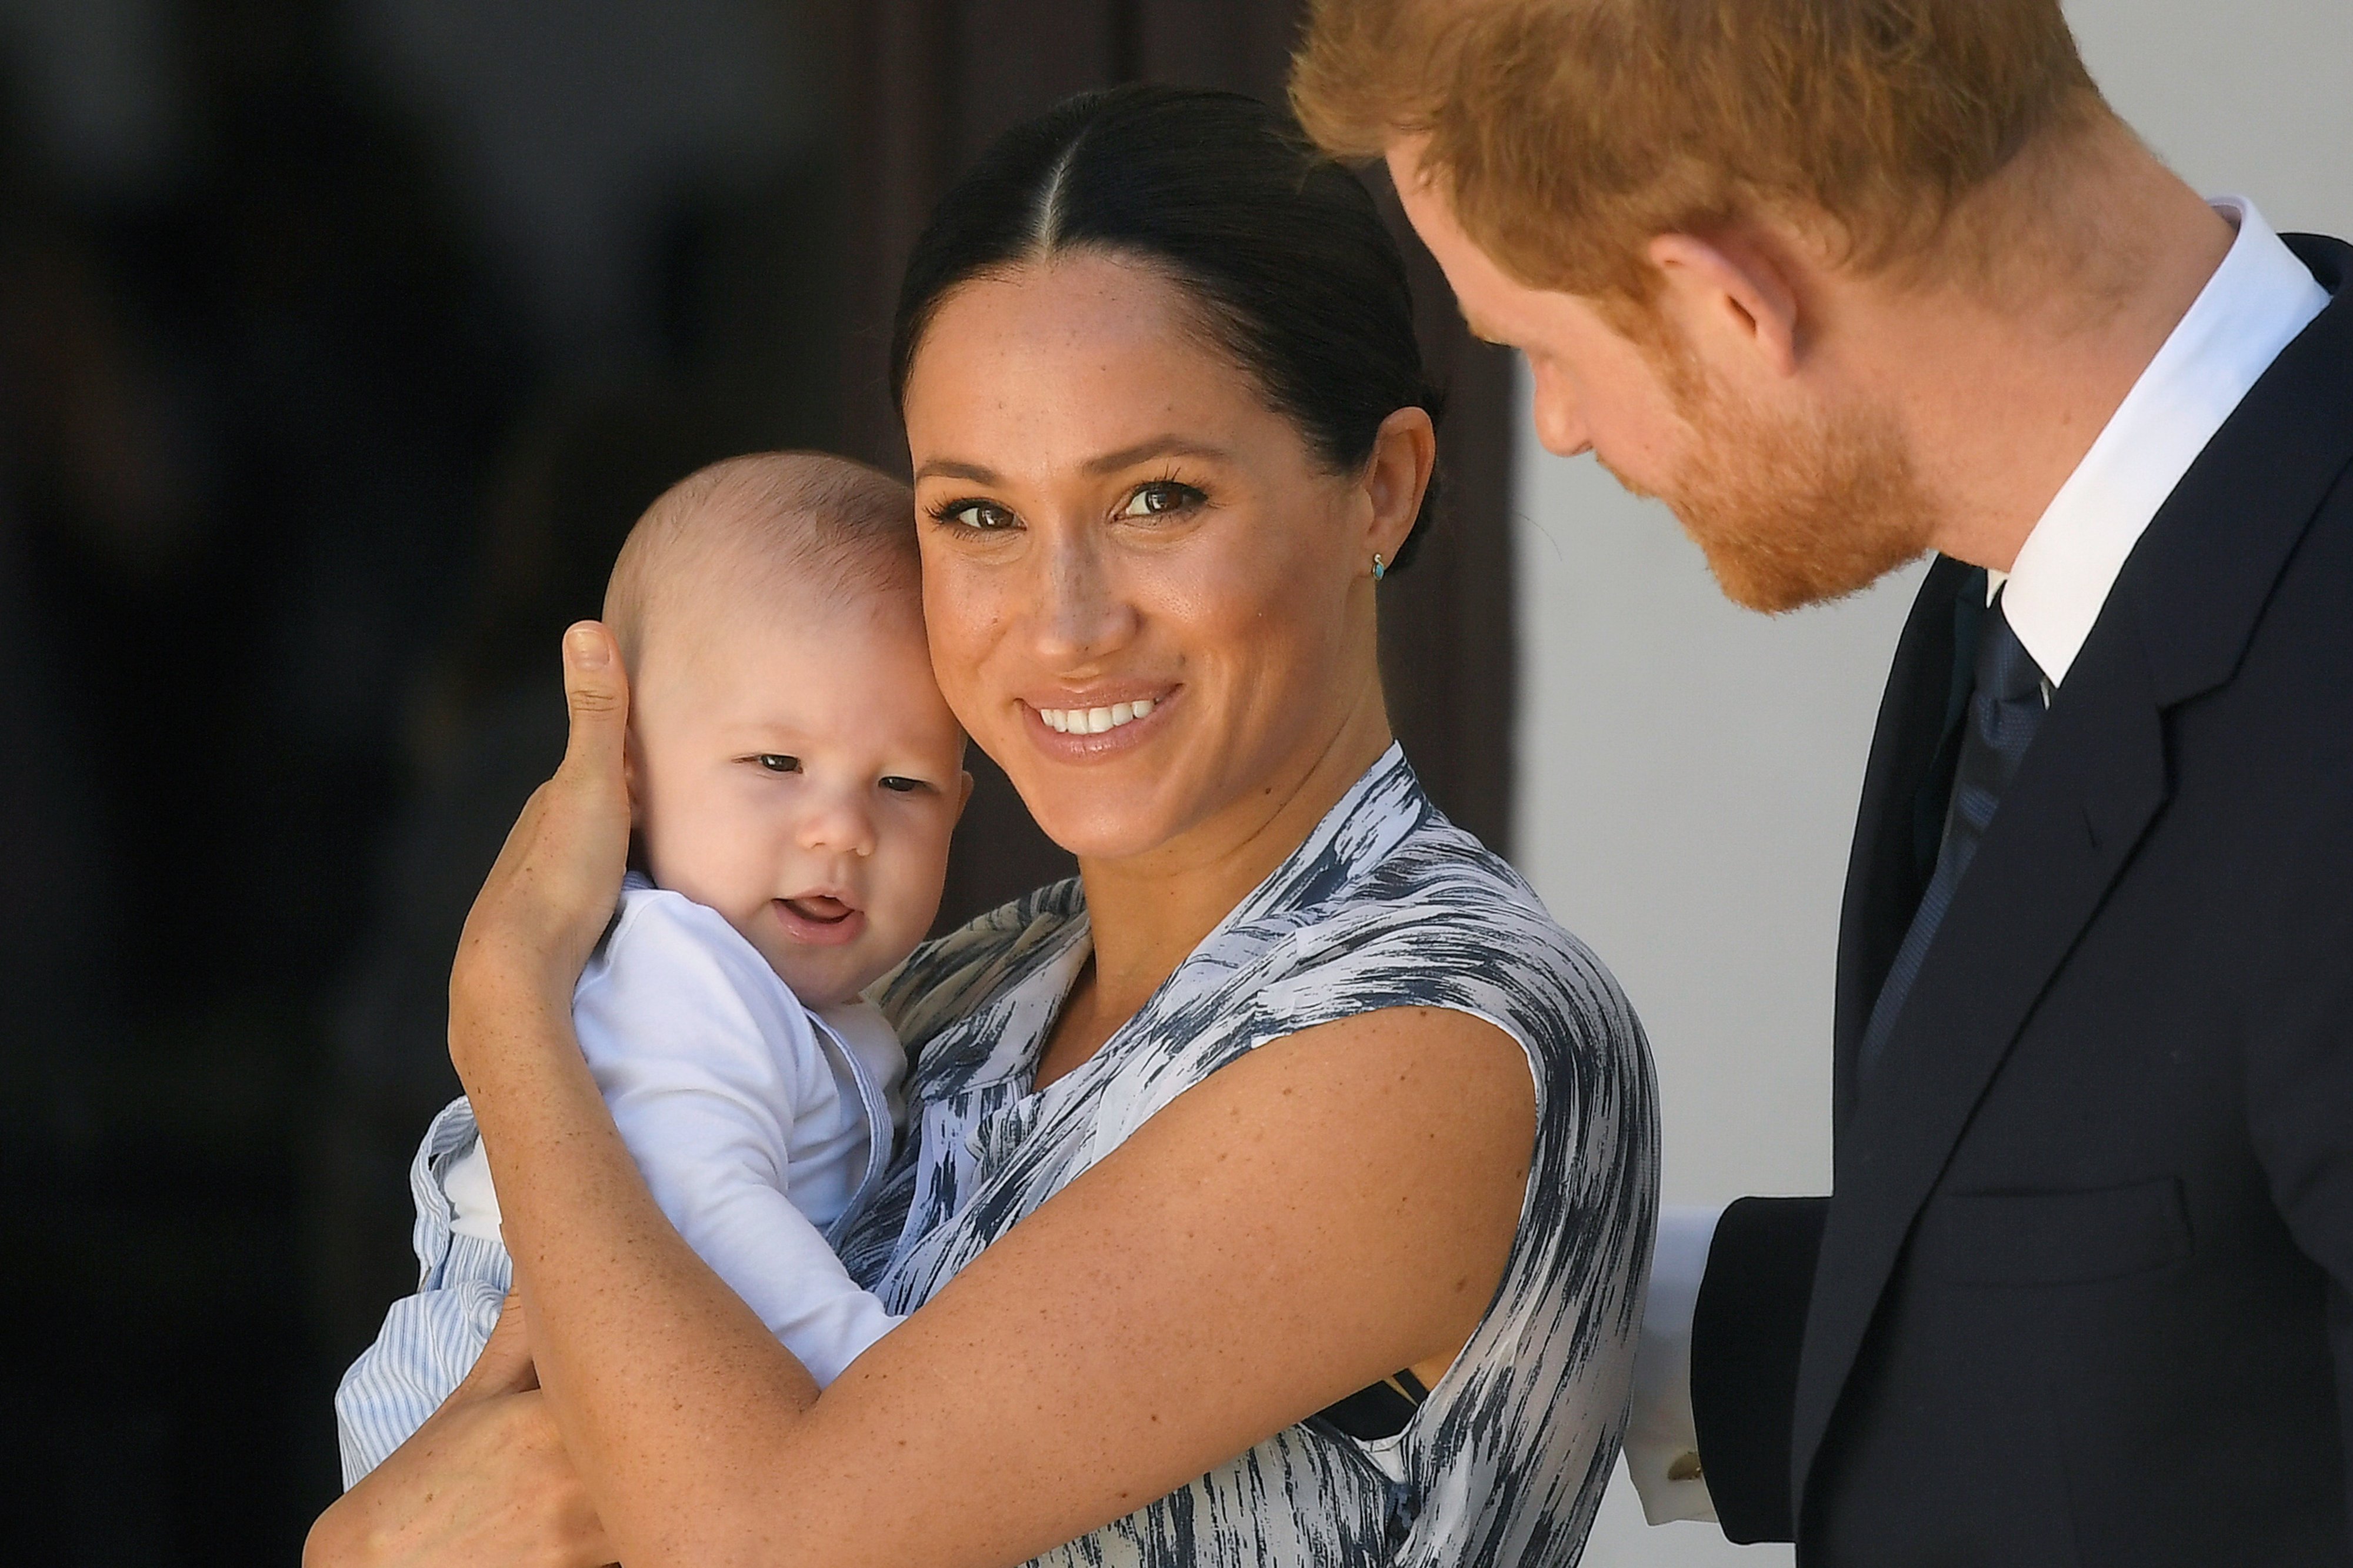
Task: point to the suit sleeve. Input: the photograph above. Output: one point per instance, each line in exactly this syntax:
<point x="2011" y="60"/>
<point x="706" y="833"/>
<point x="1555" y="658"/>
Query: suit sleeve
<point x="2299" y="1085"/>
<point x="1747" y="1328"/>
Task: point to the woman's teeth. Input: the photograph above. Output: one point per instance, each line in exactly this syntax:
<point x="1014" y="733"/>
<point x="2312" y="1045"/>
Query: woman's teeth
<point x="1094" y="721"/>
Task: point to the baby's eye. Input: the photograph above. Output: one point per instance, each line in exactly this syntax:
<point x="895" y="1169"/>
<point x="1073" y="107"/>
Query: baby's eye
<point x="777" y="763"/>
<point x="898" y="785"/>
<point x="982" y="516"/>
<point x="1162" y="498"/>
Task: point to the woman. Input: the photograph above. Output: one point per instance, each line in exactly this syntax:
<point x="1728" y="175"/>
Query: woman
<point x="1279" y="1190"/>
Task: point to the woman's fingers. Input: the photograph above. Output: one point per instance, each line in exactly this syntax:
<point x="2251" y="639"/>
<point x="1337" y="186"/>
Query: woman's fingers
<point x="485" y="1480"/>
<point x="505" y="1365"/>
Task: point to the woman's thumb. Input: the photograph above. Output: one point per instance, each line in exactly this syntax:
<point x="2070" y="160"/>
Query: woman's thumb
<point x="595" y="691"/>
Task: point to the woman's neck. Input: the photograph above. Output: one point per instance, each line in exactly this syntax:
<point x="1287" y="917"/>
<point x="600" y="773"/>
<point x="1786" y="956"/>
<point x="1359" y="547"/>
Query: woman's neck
<point x="1149" y="911"/>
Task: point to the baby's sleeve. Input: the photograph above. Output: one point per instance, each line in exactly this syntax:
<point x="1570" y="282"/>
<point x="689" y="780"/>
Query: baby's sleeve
<point x="705" y="1062"/>
<point x="430" y="1340"/>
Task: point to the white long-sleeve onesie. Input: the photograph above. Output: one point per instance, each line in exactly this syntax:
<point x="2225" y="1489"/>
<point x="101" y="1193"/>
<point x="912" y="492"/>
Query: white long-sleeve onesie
<point x="760" y="1125"/>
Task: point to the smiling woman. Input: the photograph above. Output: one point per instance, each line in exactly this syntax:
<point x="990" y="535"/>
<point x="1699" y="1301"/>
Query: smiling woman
<point x="1277" y="1192"/>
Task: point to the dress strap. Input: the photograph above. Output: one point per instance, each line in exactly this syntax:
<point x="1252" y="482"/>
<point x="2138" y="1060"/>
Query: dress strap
<point x="1384" y="1409"/>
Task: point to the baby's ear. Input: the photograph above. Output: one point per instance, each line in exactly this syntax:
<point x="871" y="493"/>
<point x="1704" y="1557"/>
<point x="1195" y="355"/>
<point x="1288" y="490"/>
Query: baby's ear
<point x="964" y="794"/>
<point x="630" y="778"/>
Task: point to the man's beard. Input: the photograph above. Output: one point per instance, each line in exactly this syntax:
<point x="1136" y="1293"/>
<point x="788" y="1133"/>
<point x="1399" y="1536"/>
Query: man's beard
<point x="1795" y="511"/>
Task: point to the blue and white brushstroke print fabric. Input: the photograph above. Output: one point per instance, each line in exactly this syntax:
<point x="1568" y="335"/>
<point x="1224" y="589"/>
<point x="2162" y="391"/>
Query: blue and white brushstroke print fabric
<point x="1386" y="905"/>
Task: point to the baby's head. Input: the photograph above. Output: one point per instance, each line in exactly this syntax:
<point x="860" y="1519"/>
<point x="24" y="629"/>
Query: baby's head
<point x="792" y="763"/>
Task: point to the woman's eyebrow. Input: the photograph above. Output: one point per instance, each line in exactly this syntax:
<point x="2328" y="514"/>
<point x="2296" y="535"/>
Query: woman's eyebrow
<point x="1158" y="446"/>
<point x="950" y="468"/>
<point x="1109" y="463"/>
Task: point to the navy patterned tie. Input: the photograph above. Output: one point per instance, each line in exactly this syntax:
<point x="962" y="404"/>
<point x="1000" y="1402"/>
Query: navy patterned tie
<point x="2005" y="708"/>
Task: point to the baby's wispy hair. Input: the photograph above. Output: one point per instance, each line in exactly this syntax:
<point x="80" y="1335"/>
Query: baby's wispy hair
<point x="772" y="523"/>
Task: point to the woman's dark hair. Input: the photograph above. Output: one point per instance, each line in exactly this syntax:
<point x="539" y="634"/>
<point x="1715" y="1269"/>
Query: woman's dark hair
<point x="1281" y="248"/>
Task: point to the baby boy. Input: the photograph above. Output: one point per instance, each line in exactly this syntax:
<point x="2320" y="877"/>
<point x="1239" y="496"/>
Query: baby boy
<point x="794" y="775"/>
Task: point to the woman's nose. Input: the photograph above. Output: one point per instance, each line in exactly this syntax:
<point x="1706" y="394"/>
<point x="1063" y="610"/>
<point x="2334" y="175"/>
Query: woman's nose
<point x="1079" y="614"/>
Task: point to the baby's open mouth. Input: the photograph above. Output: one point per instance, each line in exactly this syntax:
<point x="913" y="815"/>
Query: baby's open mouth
<point x="819" y="909"/>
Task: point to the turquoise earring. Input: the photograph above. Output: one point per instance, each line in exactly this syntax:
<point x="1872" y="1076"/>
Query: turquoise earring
<point x="1380" y="567"/>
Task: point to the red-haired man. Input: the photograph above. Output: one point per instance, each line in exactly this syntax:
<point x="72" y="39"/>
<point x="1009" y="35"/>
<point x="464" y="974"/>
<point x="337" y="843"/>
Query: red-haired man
<point x="1846" y="282"/>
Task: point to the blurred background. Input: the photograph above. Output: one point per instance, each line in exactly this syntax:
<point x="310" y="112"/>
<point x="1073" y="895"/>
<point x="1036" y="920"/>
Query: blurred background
<point x="340" y="343"/>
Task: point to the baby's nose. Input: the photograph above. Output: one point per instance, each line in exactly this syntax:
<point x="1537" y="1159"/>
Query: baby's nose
<point x="839" y="826"/>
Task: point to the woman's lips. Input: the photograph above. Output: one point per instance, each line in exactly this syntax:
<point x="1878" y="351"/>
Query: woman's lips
<point x="1083" y="732"/>
<point x="819" y="919"/>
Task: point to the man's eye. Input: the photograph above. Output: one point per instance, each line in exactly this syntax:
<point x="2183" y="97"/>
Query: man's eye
<point x="1162" y="498"/>
<point x="777" y="763"/>
<point x="898" y="785"/>
<point x="983" y="516"/>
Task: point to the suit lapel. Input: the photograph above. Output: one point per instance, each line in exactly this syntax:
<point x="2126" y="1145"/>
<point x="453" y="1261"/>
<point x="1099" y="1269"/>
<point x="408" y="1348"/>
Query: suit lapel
<point x="2175" y="626"/>
<point x="2086" y="792"/>
<point x="1886" y="869"/>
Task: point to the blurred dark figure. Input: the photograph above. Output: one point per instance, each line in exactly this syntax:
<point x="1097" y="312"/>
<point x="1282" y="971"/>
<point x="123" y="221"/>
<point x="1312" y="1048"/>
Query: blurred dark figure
<point x="69" y="409"/>
<point x="244" y="429"/>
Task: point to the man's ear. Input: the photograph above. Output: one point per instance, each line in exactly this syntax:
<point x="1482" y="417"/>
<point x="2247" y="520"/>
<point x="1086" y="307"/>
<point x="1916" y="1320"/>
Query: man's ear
<point x="1731" y="297"/>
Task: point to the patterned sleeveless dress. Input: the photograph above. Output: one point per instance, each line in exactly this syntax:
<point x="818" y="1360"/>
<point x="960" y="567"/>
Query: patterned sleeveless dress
<point x="1386" y="905"/>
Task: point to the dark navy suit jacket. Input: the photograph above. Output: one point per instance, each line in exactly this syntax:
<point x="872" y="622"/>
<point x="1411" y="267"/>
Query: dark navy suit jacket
<point x="2083" y="1293"/>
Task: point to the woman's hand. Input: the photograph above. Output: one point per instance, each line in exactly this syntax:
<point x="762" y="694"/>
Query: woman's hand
<point x="485" y="1480"/>
<point x="558" y="878"/>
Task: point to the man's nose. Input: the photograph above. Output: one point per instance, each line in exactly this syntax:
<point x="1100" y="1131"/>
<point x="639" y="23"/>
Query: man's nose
<point x="1559" y="420"/>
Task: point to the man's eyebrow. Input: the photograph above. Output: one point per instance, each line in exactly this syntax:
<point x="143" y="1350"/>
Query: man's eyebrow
<point x="1109" y="463"/>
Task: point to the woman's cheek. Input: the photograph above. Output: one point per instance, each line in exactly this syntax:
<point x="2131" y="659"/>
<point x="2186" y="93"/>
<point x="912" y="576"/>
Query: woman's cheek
<point x="961" y="621"/>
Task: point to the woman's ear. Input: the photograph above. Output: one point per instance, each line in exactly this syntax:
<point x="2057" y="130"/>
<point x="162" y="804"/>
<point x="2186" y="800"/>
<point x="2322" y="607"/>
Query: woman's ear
<point x="1405" y="454"/>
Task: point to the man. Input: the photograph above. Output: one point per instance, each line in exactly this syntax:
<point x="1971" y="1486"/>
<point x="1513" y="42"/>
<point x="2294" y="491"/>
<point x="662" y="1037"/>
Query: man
<point x="1844" y="282"/>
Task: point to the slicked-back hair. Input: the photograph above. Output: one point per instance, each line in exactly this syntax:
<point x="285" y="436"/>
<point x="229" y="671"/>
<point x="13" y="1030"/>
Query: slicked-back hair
<point x="1568" y="133"/>
<point x="1279" y="249"/>
<point x="769" y="523"/>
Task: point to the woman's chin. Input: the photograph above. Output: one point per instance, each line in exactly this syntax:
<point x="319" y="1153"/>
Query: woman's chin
<point x="1094" y="828"/>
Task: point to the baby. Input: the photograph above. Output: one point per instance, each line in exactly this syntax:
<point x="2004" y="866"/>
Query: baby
<point x="796" y="775"/>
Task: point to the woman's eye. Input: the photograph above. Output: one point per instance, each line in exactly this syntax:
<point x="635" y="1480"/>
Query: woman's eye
<point x="777" y="763"/>
<point x="982" y="516"/>
<point x="1161" y="499"/>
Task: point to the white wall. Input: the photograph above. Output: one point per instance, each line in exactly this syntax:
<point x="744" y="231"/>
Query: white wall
<point x="1687" y="772"/>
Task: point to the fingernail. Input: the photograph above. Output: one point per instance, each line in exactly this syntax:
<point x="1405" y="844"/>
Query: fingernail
<point x="585" y="649"/>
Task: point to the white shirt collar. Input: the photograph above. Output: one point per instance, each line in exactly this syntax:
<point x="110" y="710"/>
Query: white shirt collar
<point x="2257" y="301"/>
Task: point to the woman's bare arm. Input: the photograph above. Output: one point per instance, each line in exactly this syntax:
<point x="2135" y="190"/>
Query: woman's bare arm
<point x="1335" y="1207"/>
